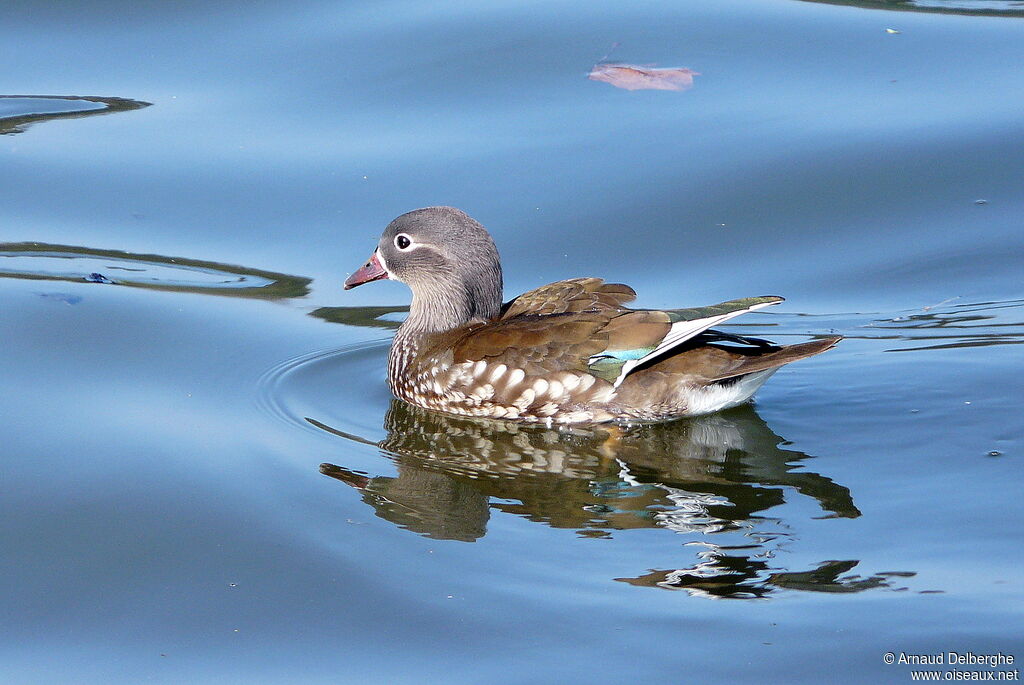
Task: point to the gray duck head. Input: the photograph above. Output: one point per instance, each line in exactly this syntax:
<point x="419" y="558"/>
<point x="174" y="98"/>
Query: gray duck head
<point x="447" y="259"/>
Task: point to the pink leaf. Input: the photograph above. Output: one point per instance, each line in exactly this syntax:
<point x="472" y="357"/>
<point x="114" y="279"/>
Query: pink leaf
<point x="633" y="77"/>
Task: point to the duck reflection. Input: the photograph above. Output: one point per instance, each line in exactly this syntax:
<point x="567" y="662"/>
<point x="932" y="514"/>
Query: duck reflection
<point x="702" y="476"/>
<point x="732" y="576"/>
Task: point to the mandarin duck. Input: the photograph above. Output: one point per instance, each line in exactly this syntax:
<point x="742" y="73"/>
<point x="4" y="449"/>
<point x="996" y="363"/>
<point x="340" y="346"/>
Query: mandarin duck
<point x="565" y="353"/>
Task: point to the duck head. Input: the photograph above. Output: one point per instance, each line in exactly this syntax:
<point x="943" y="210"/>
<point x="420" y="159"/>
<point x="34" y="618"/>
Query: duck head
<point x="447" y="259"/>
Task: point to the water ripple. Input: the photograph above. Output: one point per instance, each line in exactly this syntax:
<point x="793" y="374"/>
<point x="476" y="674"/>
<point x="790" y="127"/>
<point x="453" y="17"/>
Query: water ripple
<point x="320" y="384"/>
<point x="70" y="263"/>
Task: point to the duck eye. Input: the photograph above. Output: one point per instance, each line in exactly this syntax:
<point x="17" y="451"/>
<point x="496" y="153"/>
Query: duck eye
<point x="402" y="241"/>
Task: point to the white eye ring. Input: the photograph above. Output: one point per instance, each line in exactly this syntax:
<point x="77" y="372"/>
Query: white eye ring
<point x="403" y="242"/>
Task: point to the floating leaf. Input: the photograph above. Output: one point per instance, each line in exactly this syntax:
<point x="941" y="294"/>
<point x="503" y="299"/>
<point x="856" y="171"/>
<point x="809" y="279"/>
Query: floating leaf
<point x="633" y="77"/>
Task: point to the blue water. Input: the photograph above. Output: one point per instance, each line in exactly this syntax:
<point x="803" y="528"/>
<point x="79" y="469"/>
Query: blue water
<point x="164" y="514"/>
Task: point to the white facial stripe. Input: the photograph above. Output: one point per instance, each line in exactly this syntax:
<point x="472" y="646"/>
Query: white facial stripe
<point x="383" y="263"/>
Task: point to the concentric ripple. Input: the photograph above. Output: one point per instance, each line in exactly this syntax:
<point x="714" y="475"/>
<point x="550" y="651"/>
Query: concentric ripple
<point x="340" y="387"/>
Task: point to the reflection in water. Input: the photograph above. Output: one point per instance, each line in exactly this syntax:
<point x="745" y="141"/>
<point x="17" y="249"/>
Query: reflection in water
<point x="708" y="476"/>
<point x="45" y="262"/>
<point x="368" y="317"/>
<point x="18" y="112"/>
<point x="976" y="324"/>
<point x="738" y="577"/>
<point x="985" y="8"/>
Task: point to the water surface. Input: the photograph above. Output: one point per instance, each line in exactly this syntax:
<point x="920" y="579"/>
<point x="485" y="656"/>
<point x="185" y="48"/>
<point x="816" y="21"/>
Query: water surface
<point x="205" y="478"/>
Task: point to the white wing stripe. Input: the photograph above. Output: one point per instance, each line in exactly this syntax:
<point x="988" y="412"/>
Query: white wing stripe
<point x="682" y="331"/>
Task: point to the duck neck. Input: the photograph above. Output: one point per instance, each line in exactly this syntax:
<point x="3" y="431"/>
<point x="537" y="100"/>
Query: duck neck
<point x="444" y="304"/>
<point x="428" y="315"/>
<point x="442" y="308"/>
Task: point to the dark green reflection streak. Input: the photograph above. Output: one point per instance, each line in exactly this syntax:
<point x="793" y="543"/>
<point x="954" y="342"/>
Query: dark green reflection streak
<point x="10" y="125"/>
<point x="282" y="286"/>
<point x="368" y="317"/>
<point x="963" y="8"/>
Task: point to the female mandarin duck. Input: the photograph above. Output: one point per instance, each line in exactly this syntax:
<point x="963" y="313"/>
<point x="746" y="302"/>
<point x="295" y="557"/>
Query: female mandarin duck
<point x="567" y="352"/>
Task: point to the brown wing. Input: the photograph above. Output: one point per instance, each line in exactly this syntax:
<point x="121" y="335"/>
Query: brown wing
<point x="537" y="344"/>
<point x="572" y="295"/>
<point x="710" y="363"/>
<point x="541" y="344"/>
